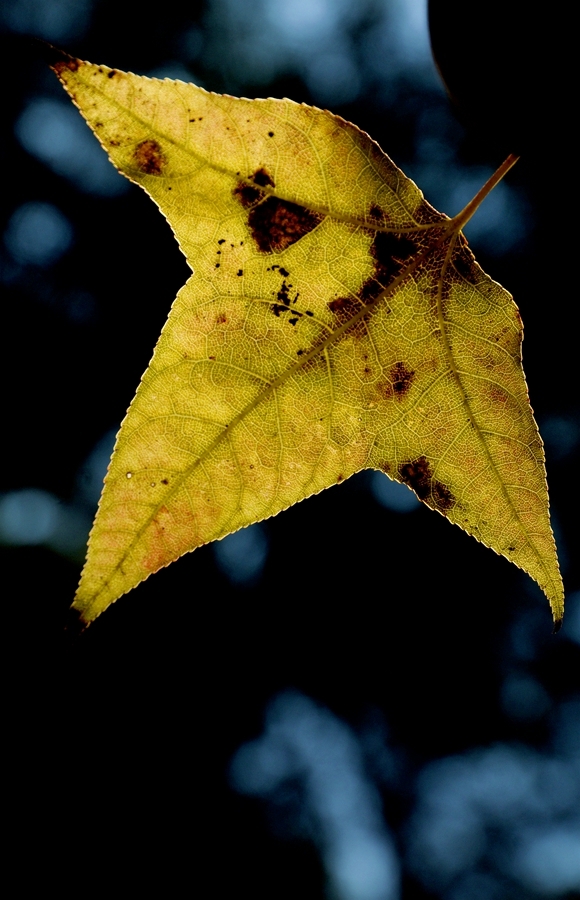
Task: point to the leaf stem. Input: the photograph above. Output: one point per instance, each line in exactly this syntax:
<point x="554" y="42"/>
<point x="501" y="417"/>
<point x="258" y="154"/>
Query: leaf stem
<point x="461" y="219"/>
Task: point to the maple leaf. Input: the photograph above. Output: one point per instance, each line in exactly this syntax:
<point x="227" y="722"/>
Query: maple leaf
<point x="334" y="321"/>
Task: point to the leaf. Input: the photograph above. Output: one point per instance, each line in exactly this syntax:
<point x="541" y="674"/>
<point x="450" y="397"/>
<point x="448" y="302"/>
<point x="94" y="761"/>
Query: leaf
<point x="334" y="321"/>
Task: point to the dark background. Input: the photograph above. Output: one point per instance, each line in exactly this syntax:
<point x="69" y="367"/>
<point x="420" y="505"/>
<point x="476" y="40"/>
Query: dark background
<point x="426" y="644"/>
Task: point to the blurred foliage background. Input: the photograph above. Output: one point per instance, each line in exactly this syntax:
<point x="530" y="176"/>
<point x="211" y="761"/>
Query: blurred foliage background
<point x="353" y="700"/>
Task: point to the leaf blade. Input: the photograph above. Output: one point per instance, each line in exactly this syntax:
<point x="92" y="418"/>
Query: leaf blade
<point x="333" y="322"/>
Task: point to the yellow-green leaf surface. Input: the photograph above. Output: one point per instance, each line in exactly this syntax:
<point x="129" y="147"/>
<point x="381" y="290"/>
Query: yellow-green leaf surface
<point x="333" y="321"/>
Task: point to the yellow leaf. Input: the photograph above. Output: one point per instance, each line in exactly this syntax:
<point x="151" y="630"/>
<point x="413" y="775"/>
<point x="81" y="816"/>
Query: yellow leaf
<point x="334" y="321"/>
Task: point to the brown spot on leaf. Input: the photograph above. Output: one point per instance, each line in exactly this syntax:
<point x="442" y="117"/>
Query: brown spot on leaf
<point x="221" y="319"/>
<point x="344" y="307"/>
<point x="441" y="497"/>
<point x="149" y="157"/>
<point x="270" y="134"/>
<point x="417" y="474"/>
<point x="263" y="178"/>
<point x="284" y="294"/>
<point x="370" y="290"/>
<point x="112" y="73"/>
<point x="247" y="195"/>
<point x="401" y="378"/>
<point x="240" y="271"/>
<point x="164" y="481"/>
<point x="277" y="224"/>
<point x="465" y="265"/>
<point x="376" y="213"/>
<point x="390" y="252"/>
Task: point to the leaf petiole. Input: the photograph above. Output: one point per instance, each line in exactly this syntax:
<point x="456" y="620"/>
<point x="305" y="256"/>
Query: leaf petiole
<point x="462" y="218"/>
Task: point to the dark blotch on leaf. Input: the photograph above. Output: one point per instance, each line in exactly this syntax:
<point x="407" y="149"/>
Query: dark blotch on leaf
<point x="464" y="264"/>
<point x="263" y="178"/>
<point x="149" y="158"/>
<point x="401" y="379"/>
<point x="419" y="476"/>
<point x="390" y="252"/>
<point x="441" y="497"/>
<point x="247" y="195"/>
<point x="344" y="307"/>
<point x="284" y="294"/>
<point x="277" y="224"/>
